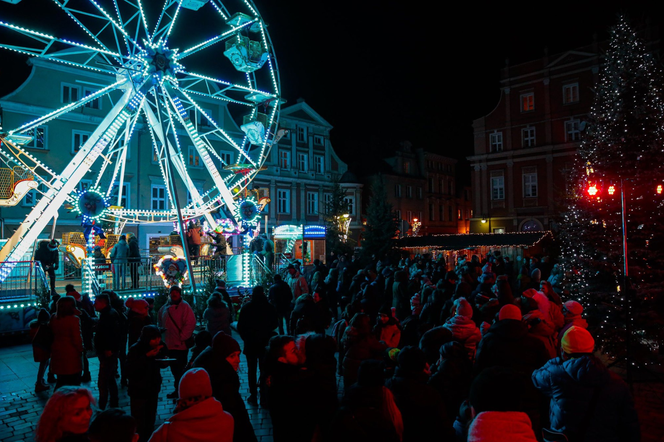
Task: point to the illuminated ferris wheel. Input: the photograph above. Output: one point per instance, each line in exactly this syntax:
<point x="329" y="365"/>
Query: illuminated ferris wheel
<point x="165" y="60"/>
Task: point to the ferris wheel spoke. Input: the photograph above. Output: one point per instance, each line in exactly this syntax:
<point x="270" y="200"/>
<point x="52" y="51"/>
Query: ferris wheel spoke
<point x="166" y="20"/>
<point x="214" y="40"/>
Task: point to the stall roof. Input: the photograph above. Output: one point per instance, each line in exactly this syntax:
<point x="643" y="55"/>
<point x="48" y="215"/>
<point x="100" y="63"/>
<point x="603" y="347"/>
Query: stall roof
<point x="472" y="240"/>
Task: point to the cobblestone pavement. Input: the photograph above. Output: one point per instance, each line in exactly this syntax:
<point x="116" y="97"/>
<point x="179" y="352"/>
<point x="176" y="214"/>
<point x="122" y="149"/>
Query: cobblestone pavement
<point x="20" y="406"/>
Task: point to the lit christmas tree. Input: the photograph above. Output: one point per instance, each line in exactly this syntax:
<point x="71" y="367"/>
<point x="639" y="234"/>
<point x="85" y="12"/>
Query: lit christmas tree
<point x="622" y="152"/>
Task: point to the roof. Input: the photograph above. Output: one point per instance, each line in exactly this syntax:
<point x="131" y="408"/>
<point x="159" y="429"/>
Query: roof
<point x="472" y="240"/>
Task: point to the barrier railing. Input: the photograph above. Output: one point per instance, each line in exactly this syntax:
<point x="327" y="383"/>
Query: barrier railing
<point x="26" y="280"/>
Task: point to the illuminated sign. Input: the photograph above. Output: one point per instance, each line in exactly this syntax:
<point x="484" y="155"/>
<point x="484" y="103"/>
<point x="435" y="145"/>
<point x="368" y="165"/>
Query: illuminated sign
<point x="314" y="232"/>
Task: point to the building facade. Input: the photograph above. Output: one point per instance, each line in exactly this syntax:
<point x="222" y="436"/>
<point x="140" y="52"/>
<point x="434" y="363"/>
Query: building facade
<point x="525" y="148"/>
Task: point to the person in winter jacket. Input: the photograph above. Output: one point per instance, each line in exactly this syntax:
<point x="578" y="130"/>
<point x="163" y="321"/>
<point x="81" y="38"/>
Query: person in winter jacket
<point x="133" y="259"/>
<point x="67" y="348"/>
<point x="281" y="297"/>
<point x="221" y="361"/>
<point x="368" y="408"/>
<point x="463" y="327"/>
<point x="359" y="344"/>
<point x="508" y="343"/>
<point x="451" y="376"/>
<point x="256" y="325"/>
<point x="198" y="417"/>
<point x="119" y="254"/>
<point x="496" y="407"/>
<point x="107" y="344"/>
<point x="400" y="296"/>
<point x="588" y="402"/>
<point x="422" y="408"/>
<point x="387" y="328"/>
<point x="572" y="312"/>
<point x="551" y="312"/>
<point x="144" y="378"/>
<point x="296" y="281"/>
<point x="42" y="340"/>
<point x="66" y="416"/>
<point x="178" y="318"/>
<point x="49" y="257"/>
<point x="218" y="316"/>
<point x="137" y="318"/>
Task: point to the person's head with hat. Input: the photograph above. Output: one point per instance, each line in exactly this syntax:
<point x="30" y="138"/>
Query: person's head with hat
<point x="194" y="387"/>
<point x="509" y="311"/>
<point x="572" y="310"/>
<point x="225" y="347"/>
<point x="576" y="341"/>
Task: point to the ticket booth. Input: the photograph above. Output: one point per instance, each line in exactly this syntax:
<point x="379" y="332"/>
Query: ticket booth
<point x="304" y="243"/>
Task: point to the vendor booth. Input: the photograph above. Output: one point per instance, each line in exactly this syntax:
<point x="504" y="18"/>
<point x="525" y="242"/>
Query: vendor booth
<point x="303" y="243"/>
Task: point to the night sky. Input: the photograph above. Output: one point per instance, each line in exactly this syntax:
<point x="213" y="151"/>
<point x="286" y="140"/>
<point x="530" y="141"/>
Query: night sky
<point x="385" y="71"/>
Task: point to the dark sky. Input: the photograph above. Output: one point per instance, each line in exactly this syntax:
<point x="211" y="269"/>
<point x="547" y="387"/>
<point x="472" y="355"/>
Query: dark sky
<point x="385" y="71"/>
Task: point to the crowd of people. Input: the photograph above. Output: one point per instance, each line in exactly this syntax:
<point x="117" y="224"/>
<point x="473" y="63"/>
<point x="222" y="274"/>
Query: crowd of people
<point x="401" y="351"/>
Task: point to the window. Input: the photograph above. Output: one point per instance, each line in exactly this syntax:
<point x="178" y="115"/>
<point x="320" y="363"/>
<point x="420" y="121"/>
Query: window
<point x="529" y="182"/>
<point x="528" y="102"/>
<point x="528" y="136"/>
<point x="450" y="187"/>
<point x="397" y="190"/>
<point x="397" y="215"/>
<point x="318" y="140"/>
<point x="420" y="195"/>
<point x="441" y="185"/>
<point x="571" y="93"/>
<point x="496" y="142"/>
<point x="327" y="197"/>
<point x="459" y="215"/>
<point x="226" y="158"/>
<point x="301" y="134"/>
<point x="189" y="198"/>
<point x="497" y="185"/>
<point x="70" y="93"/>
<point x="198" y="118"/>
<point x="284" y="159"/>
<point x="319" y="163"/>
<point x="78" y="139"/>
<point x="572" y="130"/>
<point x="406" y="167"/>
<point x="93" y="104"/>
<point x="194" y="157"/>
<point x="302" y="162"/>
<point x="350" y="202"/>
<point x="158" y="197"/>
<point x="450" y="211"/>
<point x="283" y="201"/>
<point x="409" y="191"/>
<point x="124" y="200"/>
<point x="312" y="203"/>
<point x="39" y="138"/>
<point x="431" y="185"/>
<point x="432" y="214"/>
<point x="441" y="212"/>
<point x="409" y="216"/>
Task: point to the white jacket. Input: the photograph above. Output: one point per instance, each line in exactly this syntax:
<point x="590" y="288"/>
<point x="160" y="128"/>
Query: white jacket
<point x="185" y="319"/>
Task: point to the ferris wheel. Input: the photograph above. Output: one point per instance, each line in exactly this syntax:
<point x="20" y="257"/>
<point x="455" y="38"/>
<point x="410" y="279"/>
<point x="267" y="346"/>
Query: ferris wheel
<point x="165" y="62"/>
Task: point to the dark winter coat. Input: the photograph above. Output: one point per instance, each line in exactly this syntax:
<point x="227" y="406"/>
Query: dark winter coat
<point x="144" y="372"/>
<point x="133" y="252"/>
<point x="452" y="377"/>
<point x="422" y="408"/>
<point x="226" y="389"/>
<point x="359" y="348"/>
<point x="67" y="348"/>
<point x="108" y="331"/>
<point x="256" y="325"/>
<point x="400" y="299"/>
<point x="135" y="324"/>
<point x="218" y="317"/>
<point x="293" y="417"/>
<point x="571" y="384"/>
<point x="281" y="297"/>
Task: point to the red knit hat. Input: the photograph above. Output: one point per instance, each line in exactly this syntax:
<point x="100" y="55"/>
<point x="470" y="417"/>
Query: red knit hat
<point x="509" y="311"/>
<point x="577" y="340"/>
<point x="463" y="308"/>
<point x="195" y="382"/>
<point x="573" y="307"/>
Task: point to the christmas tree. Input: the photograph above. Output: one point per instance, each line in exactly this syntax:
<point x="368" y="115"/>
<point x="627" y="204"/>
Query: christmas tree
<point x="619" y="168"/>
<point x="381" y="225"/>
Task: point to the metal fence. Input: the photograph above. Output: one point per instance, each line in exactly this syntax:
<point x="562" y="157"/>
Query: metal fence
<point x="25" y="281"/>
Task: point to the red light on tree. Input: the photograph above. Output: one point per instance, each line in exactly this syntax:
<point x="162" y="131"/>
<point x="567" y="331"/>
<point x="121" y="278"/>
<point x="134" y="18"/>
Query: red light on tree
<point x="659" y="189"/>
<point x="592" y="189"/>
<point x="612" y="189"/>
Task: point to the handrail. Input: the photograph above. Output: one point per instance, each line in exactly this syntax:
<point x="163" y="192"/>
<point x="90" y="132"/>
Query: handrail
<point x="39" y="272"/>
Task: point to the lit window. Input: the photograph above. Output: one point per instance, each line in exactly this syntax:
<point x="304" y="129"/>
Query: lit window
<point x="78" y="139"/>
<point x="571" y="93"/>
<point x="528" y="102"/>
<point x="459" y="214"/>
<point x="528" y="136"/>
<point x="312" y="203"/>
<point x="529" y="182"/>
<point x="194" y="157"/>
<point x="497" y="185"/>
<point x="283" y="201"/>
<point x="496" y="142"/>
<point x="572" y="130"/>
<point x="284" y="159"/>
